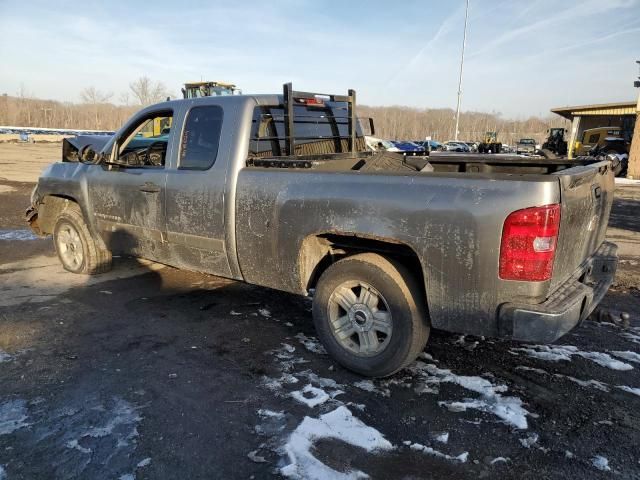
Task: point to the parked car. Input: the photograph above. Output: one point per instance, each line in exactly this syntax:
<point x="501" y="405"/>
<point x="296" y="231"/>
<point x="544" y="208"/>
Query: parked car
<point x="431" y="145"/>
<point x="506" y="148"/>
<point x="238" y="189"/>
<point x="473" y="146"/>
<point x="407" y="148"/>
<point x="452" y="146"/>
<point x="525" y="146"/>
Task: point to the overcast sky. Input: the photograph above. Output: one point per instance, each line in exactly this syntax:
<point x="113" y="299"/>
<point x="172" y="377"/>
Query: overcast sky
<point x="522" y="58"/>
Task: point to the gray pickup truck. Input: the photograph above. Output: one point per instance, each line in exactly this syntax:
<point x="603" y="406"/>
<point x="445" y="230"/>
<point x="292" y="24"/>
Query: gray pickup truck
<point x="280" y="191"/>
<point x="526" y="146"/>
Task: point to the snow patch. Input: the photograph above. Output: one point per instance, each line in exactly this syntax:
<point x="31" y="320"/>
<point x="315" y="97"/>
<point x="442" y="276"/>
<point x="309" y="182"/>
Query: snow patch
<point x="462" y="342"/>
<point x="462" y="458"/>
<point x="635" y="391"/>
<point x="627" y="355"/>
<point x="583" y="383"/>
<point x="311" y="343"/>
<point x="601" y="463"/>
<point x="631" y="337"/>
<point x="288" y="348"/>
<point x="546" y="352"/>
<point x="18" y="235"/>
<point x="441" y="437"/>
<point x="13" y="416"/>
<point x="509" y="409"/>
<point x="369" y="386"/>
<point x="321" y="381"/>
<point x="565" y="352"/>
<point x="5" y="357"/>
<point x="597" y="384"/>
<point x="144" y="463"/>
<point x="530" y="440"/>
<point x="264" y="312"/>
<point x="310" y="396"/>
<point x="338" y="424"/>
<point x="73" y="444"/>
<point x="124" y="415"/>
<point x="263" y="412"/>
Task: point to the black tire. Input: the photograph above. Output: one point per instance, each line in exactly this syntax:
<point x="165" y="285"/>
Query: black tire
<point x="406" y="303"/>
<point x="95" y="257"/>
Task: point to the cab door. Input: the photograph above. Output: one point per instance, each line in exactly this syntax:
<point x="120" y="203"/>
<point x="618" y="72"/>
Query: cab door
<point x="196" y="190"/>
<point x="134" y="183"/>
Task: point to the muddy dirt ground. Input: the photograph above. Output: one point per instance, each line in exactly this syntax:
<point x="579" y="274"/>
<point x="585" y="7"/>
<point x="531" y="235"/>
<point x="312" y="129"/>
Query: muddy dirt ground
<point x="149" y="372"/>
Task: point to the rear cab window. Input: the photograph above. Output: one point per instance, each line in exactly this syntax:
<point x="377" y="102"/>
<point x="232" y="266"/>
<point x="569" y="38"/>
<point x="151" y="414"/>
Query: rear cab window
<point x="316" y="131"/>
<point x="200" y="138"/>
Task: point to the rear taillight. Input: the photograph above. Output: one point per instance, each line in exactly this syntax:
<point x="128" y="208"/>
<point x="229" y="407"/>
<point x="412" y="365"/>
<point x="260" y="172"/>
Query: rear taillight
<point x="528" y="244"/>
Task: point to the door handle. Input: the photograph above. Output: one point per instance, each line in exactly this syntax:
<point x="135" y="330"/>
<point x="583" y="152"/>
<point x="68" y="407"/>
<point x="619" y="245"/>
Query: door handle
<point x="149" y="187"/>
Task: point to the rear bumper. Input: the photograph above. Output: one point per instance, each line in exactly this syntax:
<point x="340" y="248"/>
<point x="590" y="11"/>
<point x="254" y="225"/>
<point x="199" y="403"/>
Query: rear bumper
<point x="569" y="305"/>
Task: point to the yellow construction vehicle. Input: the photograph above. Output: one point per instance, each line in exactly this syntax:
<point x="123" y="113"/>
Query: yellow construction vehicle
<point x="161" y="126"/>
<point x="490" y="143"/>
<point x="596" y="138"/>
<point x="209" y="89"/>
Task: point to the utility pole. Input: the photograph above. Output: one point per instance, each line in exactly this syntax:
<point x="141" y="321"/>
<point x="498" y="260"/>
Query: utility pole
<point x="464" y="42"/>
<point x="633" y="169"/>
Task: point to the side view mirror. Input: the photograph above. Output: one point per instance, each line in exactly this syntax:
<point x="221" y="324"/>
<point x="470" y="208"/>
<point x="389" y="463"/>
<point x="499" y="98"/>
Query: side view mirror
<point x="87" y="154"/>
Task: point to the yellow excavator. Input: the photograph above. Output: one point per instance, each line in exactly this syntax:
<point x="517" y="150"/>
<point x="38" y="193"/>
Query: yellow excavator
<point x="161" y="126"/>
<point x="209" y="89"/>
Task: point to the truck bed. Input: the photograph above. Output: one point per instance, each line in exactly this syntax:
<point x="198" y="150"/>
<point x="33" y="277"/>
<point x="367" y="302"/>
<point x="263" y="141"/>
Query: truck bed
<point x="440" y="161"/>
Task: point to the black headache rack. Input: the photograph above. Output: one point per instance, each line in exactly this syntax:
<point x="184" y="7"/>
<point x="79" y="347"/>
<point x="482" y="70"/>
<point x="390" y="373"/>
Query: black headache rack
<point x="291" y="156"/>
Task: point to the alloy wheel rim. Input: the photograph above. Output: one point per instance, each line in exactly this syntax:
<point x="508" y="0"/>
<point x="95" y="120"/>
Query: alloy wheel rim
<point x="70" y="246"/>
<point x="360" y="318"/>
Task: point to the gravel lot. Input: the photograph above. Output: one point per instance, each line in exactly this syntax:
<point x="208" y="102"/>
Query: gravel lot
<point x="149" y="372"/>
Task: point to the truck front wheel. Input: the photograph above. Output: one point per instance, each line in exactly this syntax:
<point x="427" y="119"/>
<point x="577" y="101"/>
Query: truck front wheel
<point x="370" y="314"/>
<point x="77" y="250"/>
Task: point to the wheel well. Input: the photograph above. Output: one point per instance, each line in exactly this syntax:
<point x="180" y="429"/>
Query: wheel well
<point x="320" y="251"/>
<point x="49" y="210"/>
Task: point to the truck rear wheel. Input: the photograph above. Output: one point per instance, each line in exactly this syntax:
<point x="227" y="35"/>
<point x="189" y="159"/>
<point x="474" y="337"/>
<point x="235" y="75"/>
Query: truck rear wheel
<point x="370" y="314"/>
<point x="77" y="250"/>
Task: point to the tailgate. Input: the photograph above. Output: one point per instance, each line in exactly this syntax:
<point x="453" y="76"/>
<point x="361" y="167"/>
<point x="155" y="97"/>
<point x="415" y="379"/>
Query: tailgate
<point x="586" y="194"/>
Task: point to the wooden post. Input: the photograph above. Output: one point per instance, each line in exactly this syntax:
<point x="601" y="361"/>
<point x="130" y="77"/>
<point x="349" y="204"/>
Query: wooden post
<point x="633" y="171"/>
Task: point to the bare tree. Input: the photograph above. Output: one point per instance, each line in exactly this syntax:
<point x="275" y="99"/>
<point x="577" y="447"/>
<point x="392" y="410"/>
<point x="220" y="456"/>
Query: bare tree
<point x="125" y="99"/>
<point x="96" y="99"/>
<point x="147" y="91"/>
<point x="93" y="96"/>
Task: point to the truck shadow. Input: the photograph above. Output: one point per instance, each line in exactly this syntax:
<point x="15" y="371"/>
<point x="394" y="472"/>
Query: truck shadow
<point x="624" y="214"/>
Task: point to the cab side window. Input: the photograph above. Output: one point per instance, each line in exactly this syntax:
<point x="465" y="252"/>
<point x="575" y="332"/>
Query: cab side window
<point x="145" y="144"/>
<point x="594" y="138"/>
<point x="201" y="138"/>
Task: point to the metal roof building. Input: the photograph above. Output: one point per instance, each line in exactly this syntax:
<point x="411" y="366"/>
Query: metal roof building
<point x="584" y="117"/>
